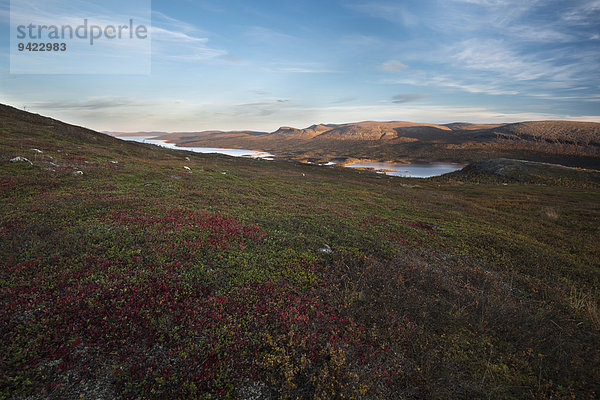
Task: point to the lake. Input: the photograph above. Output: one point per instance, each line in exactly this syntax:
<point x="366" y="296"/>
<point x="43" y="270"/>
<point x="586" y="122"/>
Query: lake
<point x="417" y="170"/>
<point x="230" y="152"/>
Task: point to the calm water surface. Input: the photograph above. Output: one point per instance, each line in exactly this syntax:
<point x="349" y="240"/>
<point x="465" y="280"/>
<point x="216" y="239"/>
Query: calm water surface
<point x="229" y="152"/>
<point x="410" y="170"/>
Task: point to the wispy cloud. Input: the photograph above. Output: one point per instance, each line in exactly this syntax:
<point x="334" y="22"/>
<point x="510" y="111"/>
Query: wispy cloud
<point x="299" y="68"/>
<point x="495" y="56"/>
<point x="261" y="108"/>
<point x="490" y="87"/>
<point x="407" y="97"/>
<point x="538" y="34"/>
<point x="393" y="66"/>
<point x="173" y="24"/>
<point x="500" y="47"/>
<point x="162" y="34"/>
<point x="496" y="61"/>
<point x="440" y="114"/>
<point x="267" y="36"/>
<point x="550" y="96"/>
<point x="499" y="67"/>
<point x="96" y="103"/>
<point x="173" y="39"/>
<point x="583" y="13"/>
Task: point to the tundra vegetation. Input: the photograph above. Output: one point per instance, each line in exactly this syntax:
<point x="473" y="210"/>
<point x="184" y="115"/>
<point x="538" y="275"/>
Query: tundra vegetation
<point x="125" y="275"/>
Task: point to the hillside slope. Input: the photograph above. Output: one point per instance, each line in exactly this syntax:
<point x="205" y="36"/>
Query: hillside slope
<point x="374" y="130"/>
<point x="554" y="132"/>
<point x="507" y="170"/>
<point x="132" y="271"/>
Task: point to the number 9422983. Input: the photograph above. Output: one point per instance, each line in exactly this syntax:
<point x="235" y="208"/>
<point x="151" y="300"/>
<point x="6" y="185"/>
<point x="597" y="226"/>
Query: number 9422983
<point x="42" y="46"/>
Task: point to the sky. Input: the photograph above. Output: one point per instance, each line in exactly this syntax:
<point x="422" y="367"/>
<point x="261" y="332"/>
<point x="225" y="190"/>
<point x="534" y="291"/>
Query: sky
<point x="259" y="65"/>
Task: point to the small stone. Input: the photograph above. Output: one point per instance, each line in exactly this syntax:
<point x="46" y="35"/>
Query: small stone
<point x="20" y="159"/>
<point x="326" y="249"/>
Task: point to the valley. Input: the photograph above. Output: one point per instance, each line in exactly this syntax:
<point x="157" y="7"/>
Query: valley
<point x="575" y="144"/>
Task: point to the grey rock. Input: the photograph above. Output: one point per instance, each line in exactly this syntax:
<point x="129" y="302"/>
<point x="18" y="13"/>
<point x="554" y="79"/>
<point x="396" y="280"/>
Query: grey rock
<point x="326" y="249"/>
<point x="20" y="159"/>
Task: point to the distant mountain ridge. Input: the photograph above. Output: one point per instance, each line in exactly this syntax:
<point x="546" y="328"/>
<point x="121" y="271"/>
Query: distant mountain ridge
<point x="553" y="132"/>
<point x="311" y="131"/>
<point x="367" y="130"/>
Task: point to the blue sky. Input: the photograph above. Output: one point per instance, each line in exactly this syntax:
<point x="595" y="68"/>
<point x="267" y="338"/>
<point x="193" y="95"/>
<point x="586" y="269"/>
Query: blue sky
<point x="258" y="65"/>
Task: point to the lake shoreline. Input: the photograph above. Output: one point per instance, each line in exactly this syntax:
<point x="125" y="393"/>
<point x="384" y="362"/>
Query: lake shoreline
<point x="407" y="170"/>
<point x="403" y="168"/>
<point x="206" y="150"/>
